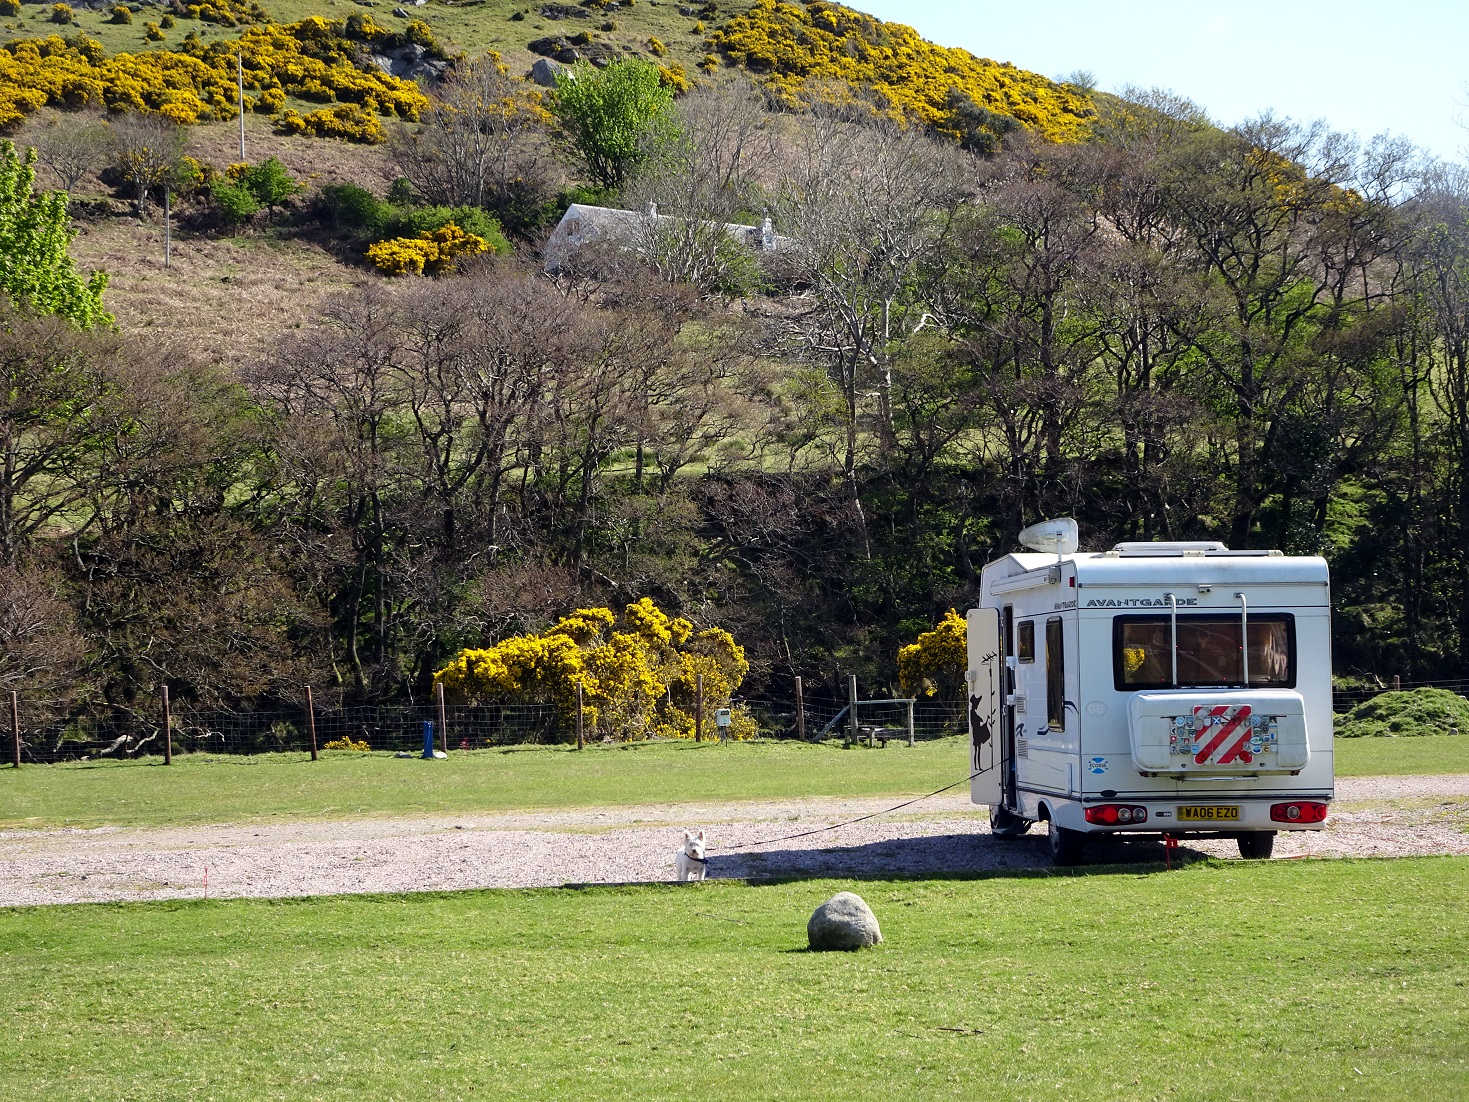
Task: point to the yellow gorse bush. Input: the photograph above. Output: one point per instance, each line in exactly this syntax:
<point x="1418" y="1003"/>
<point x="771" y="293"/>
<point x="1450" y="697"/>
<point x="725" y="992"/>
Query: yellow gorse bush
<point x="315" y="59"/>
<point x="638" y="672"/>
<point x="347" y="742"/>
<point x="935" y="664"/>
<point x="801" y="51"/>
<point x="432" y="253"/>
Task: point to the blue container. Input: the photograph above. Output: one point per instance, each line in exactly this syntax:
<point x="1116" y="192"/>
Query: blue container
<point x="428" y="739"/>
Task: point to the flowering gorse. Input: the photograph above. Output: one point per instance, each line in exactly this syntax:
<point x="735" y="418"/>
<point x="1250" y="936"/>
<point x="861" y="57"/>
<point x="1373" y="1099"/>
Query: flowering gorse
<point x="638" y="672"/>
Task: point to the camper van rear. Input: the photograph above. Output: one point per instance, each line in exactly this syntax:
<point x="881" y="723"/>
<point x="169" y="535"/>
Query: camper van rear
<point x="1176" y="688"/>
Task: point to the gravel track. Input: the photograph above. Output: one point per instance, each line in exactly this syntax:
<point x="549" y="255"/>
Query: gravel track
<point x="1373" y="817"/>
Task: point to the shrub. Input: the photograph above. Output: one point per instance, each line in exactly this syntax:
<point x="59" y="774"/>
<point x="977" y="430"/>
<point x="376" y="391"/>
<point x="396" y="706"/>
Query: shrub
<point x="345" y="120"/>
<point x="234" y="201"/>
<point x="62" y="13"/>
<point x="428" y="254"/>
<point x="1407" y="712"/>
<point x="350" y="207"/>
<point x="269" y="182"/>
<point x="803" y="47"/>
<point x="637" y="672"/>
<point x="168" y="22"/>
<point x="9" y="7"/>
<point x="346" y="742"/>
<point x="152" y="33"/>
<point x="935" y="664"/>
<point x="656" y="48"/>
<point x="400" y="191"/>
<point x="120" y="13"/>
<point x="413" y="221"/>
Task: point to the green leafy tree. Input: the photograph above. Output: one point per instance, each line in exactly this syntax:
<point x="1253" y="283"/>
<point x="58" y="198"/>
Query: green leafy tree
<point x="36" y="268"/>
<point x="612" y="116"/>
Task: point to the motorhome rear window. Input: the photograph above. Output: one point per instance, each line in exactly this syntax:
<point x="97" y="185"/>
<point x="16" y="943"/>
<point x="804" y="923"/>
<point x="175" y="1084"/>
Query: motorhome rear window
<point x="1208" y="651"/>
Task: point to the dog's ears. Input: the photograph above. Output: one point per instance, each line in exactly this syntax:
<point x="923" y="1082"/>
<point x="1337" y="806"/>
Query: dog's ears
<point x="688" y="835"/>
<point x="700" y="835"/>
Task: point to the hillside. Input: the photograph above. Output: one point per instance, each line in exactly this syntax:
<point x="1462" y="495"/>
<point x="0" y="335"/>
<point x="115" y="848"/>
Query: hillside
<point x="307" y="68"/>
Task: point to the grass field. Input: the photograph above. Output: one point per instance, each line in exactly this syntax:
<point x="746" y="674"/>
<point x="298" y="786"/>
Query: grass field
<point x="1284" y="980"/>
<point x="213" y="788"/>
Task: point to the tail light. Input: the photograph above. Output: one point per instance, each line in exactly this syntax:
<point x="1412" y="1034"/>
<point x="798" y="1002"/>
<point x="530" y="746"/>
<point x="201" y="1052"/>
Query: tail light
<point x="1116" y="814"/>
<point x="1301" y="811"/>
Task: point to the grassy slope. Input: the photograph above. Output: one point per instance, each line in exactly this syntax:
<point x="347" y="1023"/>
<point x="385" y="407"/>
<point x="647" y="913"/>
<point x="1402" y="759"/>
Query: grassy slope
<point x="1288" y="980"/>
<point x="203" y="789"/>
<point x="232" y="297"/>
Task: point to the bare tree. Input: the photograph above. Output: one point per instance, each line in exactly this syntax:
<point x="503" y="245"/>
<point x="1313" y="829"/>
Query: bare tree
<point x="73" y="147"/>
<point x="866" y="209"/>
<point x="40" y="648"/>
<point x="700" y="176"/>
<point x="480" y="143"/>
<point x="147" y="149"/>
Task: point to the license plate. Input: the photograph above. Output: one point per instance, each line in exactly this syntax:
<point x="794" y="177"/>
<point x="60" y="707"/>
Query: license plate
<point x="1207" y="812"/>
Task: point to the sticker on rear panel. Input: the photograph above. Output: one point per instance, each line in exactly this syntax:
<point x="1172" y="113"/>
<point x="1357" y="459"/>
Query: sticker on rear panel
<point x="1097" y="766"/>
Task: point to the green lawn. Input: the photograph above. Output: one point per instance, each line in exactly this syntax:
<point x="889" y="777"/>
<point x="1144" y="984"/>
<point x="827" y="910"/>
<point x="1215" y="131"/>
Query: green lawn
<point x="1376" y="757"/>
<point x="1283" y="980"/>
<point x="204" y="788"/>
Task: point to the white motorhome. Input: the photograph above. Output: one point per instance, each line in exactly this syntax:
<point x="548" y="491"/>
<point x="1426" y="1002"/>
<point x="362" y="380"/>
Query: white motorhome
<point x="1110" y="693"/>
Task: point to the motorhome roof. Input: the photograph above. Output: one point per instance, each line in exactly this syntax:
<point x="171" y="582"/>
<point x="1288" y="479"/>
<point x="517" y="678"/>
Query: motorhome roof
<point x="1181" y="567"/>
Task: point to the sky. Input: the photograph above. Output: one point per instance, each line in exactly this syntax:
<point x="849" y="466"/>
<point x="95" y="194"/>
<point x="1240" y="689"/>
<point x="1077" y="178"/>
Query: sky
<point x="1362" y="65"/>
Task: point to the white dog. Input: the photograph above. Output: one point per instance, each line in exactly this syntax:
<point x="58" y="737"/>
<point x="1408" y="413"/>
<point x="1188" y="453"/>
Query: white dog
<point x="690" y="861"/>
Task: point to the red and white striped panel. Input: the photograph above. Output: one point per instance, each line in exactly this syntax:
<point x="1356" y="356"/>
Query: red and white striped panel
<point x="1221" y="724"/>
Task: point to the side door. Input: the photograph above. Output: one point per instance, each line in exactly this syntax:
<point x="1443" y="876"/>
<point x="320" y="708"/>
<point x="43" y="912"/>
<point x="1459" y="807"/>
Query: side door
<point x="987" y="763"/>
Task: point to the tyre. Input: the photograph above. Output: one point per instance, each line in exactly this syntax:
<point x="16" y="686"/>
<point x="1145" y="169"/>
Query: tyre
<point x="1065" y="845"/>
<point x="1257" y="845"/>
<point x="1006" y="824"/>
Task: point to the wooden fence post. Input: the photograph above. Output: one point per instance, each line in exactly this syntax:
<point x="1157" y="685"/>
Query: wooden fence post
<point x="311" y="721"/>
<point x="800" y="712"/>
<point x="852" y="708"/>
<point x="443" y="721"/>
<point x="1397" y="681"/>
<point x="167" y="730"/>
<point x="910" y="722"/>
<point x="580" y="739"/>
<point x="698" y="707"/>
<point x="15" y="728"/>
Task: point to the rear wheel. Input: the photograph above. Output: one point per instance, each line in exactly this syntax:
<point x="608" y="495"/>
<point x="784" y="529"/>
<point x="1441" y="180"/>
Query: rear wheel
<point x="1006" y="824"/>
<point x="1065" y="845"/>
<point x="1257" y="845"/>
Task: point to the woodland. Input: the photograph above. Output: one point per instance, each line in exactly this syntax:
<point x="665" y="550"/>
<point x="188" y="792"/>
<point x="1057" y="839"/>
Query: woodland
<point x="993" y="300"/>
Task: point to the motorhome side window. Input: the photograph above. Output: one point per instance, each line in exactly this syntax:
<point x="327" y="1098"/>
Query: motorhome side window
<point x="1026" y="642"/>
<point x="1208" y="651"/>
<point x="1055" y="676"/>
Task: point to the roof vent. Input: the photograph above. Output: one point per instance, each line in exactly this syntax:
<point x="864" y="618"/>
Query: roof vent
<point x="1160" y="547"/>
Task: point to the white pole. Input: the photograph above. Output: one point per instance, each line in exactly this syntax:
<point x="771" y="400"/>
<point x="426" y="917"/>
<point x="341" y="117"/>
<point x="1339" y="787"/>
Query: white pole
<point x="240" y="83"/>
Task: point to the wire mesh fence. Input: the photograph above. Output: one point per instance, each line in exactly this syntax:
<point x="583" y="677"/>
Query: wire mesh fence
<point x="46" y="735"/>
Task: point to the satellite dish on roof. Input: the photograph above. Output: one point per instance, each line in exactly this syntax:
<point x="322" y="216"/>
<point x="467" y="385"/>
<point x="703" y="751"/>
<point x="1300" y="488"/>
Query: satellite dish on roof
<point x="1055" y="537"/>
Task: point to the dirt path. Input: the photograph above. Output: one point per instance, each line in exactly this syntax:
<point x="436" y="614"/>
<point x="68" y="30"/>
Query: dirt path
<point x="1373" y="817"/>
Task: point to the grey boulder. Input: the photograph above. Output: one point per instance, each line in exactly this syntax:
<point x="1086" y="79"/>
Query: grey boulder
<point x="545" y="71"/>
<point x="844" y="921"/>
